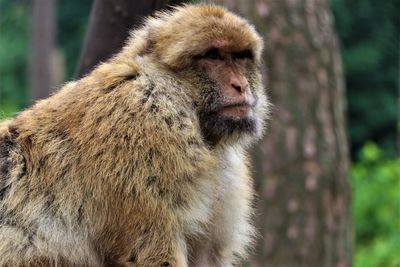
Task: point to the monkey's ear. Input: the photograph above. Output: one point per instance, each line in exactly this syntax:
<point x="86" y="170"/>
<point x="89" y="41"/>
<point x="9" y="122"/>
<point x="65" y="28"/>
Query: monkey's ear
<point x="124" y="65"/>
<point x="139" y="43"/>
<point x="115" y="72"/>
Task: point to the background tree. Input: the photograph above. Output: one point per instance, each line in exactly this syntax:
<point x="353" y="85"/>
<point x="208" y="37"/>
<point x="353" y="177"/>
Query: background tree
<point x="302" y="165"/>
<point x="42" y="48"/>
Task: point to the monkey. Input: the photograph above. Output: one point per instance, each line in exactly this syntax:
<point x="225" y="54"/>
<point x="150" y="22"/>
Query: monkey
<point x="143" y="162"/>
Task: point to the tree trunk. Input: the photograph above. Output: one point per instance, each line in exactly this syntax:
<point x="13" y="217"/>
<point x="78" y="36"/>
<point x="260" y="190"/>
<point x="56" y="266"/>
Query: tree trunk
<point x="302" y="164"/>
<point x="109" y="26"/>
<point x="43" y="43"/>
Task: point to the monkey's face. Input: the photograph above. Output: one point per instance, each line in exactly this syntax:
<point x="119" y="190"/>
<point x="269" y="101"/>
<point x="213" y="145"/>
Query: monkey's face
<point x="229" y="94"/>
<point x="218" y="55"/>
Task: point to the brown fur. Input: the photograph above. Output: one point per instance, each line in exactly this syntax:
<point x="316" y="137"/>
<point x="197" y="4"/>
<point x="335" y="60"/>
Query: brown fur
<point x="113" y="169"/>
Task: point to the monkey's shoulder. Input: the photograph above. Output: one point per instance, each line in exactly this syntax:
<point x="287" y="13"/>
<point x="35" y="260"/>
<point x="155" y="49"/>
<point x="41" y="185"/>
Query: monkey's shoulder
<point x="164" y="104"/>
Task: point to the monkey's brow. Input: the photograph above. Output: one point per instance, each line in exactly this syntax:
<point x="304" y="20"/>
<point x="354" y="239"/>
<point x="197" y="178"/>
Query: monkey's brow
<point x="247" y="53"/>
<point x="208" y="52"/>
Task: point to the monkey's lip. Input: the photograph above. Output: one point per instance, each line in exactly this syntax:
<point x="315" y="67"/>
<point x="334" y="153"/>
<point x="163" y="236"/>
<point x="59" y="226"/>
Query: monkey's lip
<point x="237" y="110"/>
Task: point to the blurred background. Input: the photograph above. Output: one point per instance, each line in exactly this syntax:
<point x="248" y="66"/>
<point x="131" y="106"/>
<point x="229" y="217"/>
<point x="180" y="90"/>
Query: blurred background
<point x="368" y="33"/>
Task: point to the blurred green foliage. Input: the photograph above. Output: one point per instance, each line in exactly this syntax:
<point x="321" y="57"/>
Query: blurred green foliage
<point x="369" y="32"/>
<point x="376" y="208"/>
<point x="15" y="16"/>
<point x="14" y="41"/>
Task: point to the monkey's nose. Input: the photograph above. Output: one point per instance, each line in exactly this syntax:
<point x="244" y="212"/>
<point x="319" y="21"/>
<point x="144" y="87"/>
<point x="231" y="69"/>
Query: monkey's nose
<point x="240" y="86"/>
<point x="237" y="87"/>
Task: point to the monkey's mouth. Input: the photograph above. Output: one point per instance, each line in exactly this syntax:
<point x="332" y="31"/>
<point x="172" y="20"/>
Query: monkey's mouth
<point x="237" y="110"/>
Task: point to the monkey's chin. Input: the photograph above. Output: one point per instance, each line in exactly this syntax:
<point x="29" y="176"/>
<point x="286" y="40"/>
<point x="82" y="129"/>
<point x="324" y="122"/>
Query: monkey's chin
<point x="219" y="128"/>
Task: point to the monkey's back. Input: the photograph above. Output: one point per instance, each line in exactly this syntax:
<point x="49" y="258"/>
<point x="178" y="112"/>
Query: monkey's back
<point x="97" y="165"/>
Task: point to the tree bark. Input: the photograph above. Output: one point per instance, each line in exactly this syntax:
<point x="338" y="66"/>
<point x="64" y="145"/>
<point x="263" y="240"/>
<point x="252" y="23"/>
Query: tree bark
<point x="302" y="164"/>
<point x="109" y="26"/>
<point x="42" y="48"/>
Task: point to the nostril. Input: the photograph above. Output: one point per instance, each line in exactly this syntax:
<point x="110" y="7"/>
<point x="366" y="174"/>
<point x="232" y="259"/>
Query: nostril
<point x="237" y="87"/>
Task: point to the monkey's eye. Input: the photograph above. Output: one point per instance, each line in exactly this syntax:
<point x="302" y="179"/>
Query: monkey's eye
<point x="243" y="54"/>
<point x="213" y="54"/>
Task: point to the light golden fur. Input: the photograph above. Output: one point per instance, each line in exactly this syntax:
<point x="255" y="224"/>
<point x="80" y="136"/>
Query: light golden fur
<point x="113" y="169"/>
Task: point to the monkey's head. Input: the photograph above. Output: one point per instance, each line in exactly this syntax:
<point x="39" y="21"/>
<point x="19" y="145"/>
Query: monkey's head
<point x="219" y="55"/>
